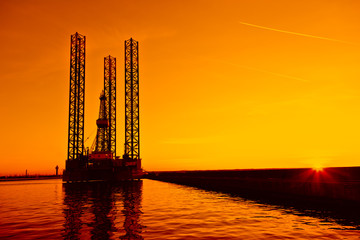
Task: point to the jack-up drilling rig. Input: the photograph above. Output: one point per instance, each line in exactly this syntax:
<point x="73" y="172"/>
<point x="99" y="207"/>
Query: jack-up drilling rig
<point x="102" y="163"/>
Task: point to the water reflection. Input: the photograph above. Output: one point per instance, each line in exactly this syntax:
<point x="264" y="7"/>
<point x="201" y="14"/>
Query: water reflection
<point x="74" y="201"/>
<point x="103" y="201"/>
<point x="101" y="210"/>
<point x="132" y="211"/>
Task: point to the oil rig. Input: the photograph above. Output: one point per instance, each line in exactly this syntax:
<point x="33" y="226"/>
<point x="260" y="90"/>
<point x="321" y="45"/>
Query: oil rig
<point x="100" y="161"/>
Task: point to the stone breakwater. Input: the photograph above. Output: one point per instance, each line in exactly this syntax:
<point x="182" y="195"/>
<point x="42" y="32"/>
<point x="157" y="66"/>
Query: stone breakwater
<point x="329" y="187"/>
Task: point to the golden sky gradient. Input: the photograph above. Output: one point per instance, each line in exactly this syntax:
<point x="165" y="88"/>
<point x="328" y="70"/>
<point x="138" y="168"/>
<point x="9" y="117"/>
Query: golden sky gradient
<point x="225" y="84"/>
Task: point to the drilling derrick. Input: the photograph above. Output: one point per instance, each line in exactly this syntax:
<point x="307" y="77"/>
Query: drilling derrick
<point x="105" y="140"/>
<point x="132" y="137"/>
<point x="103" y="150"/>
<point x="101" y="157"/>
<point x="76" y="101"/>
<point x="100" y="143"/>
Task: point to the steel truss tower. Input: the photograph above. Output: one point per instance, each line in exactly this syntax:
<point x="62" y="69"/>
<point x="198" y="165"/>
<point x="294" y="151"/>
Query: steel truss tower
<point x="132" y="137"/>
<point x="77" y="97"/>
<point x="105" y="140"/>
<point x="110" y="103"/>
<point x="101" y="144"/>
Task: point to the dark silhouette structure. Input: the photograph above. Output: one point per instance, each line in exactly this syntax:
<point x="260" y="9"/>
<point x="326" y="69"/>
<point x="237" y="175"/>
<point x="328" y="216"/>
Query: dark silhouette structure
<point x="336" y="188"/>
<point x="105" y="140"/>
<point x="100" y="143"/>
<point x="110" y="102"/>
<point x="77" y="97"/>
<point x="132" y="125"/>
<point x="103" y="150"/>
<point x="102" y="162"/>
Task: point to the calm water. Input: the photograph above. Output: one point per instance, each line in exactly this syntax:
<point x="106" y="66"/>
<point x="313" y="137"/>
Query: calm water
<point x="47" y="209"/>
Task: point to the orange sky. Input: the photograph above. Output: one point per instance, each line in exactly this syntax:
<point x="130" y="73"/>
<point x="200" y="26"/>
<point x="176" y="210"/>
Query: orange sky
<point x="223" y="84"/>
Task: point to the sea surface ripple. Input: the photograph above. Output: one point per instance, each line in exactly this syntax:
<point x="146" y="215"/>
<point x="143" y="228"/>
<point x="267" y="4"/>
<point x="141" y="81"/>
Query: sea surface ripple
<point x="148" y="209"/>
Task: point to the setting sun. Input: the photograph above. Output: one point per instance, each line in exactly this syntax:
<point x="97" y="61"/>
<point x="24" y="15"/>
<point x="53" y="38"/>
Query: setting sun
<point x="317" y="168"/>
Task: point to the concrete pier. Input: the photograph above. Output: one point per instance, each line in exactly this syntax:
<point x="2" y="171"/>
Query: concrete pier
<point x="328" y="187"/>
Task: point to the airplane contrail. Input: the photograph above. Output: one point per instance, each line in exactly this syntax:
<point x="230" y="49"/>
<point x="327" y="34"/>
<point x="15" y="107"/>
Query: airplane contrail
<point x="294" y="33"/>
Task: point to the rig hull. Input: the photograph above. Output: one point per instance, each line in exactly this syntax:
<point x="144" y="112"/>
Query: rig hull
<point x="115" y="174"/>
<point x="110" y="170"/>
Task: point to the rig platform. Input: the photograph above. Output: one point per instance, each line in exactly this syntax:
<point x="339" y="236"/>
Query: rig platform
<point x="100" y="162"/>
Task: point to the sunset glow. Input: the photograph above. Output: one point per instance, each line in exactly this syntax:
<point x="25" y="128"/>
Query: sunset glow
<point x="318" y="168"/>
<point x="223" y="84"/>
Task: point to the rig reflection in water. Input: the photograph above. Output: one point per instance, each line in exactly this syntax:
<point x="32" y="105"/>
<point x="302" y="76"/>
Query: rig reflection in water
<point x="96" y="210"/>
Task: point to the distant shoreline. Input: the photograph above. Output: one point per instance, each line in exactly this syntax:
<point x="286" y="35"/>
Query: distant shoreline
<point x="24" y="178"/>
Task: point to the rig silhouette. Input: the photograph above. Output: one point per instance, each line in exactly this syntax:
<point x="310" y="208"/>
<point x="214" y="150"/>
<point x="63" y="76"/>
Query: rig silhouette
<point x="101" y="162"/>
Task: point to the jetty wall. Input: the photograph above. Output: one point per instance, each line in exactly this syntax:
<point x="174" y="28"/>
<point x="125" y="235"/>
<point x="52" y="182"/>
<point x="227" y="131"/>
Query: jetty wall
<point x="327" y="186"/>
